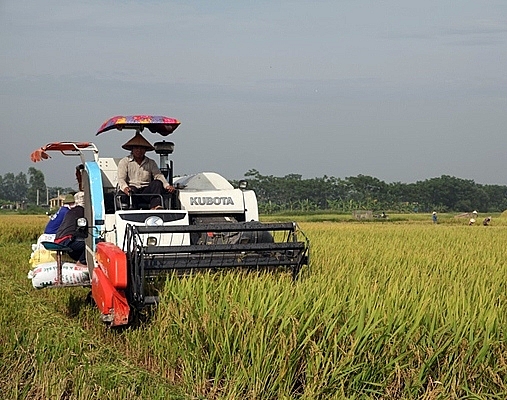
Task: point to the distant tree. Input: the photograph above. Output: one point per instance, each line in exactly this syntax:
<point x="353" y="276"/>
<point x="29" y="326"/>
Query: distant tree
<point x="497" y="196"/>
<point x="13" y="187"/>
<point x="20" y="187"/>
<point x="445" y="193"/>
<point x="8" y="184"/>
<point x="451" y="193"/>
<point x="371" y="192"/>
<point x="292" y="192"/>
<point x="36" y="185"/>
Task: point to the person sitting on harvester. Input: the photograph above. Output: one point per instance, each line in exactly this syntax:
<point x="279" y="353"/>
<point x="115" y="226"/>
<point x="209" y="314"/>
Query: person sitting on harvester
<point x="56" y="219"/>
<point x="138" y="174"/>
<point x="70" y="235"/>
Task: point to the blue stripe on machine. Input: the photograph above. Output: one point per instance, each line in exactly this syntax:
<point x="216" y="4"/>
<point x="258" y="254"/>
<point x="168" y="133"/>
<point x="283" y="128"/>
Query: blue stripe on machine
<point x="96" y="196"/>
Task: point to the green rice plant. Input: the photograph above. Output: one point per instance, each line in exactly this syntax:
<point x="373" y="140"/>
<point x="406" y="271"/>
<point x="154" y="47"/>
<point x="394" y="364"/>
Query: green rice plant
<point x="339" y="321"/>
<point x="400" y="310"/>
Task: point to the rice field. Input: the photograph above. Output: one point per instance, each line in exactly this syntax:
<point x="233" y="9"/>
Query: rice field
<point x="398" y="309"/>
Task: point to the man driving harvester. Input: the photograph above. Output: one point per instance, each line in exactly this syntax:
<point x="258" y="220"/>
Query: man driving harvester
<point x="138" y="174"/>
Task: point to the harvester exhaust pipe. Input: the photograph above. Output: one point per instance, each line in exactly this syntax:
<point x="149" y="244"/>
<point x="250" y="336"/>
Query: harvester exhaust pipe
<point x="163" y="149"/>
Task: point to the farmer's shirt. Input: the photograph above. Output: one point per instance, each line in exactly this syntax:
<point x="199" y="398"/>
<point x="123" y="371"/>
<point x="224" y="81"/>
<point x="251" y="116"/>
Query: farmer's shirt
<point x="130" y="173"/>
<point x="56" y="220"/>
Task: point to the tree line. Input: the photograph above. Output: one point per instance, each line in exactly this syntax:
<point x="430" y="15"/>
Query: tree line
<point x="293" y="193"/>
<point x="362" y="192"/>
<point x="29" y="189"/>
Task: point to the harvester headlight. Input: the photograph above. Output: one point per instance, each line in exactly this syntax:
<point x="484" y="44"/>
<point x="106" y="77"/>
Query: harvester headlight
<point x="151" y="241"/>
<point x="153" y="221"/>
<point x="81" y="222"/>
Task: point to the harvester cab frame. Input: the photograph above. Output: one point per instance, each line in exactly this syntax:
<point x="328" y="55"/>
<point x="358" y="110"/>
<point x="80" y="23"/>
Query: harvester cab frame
<point x="206" y="225"/>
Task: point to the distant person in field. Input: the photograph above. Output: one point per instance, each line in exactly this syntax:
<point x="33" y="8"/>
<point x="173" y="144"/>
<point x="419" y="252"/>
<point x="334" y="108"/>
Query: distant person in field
<point x="434" y="217"/>
<point x="475" y="214"/>
<point x="138" y="174"/>
<point x="486" y="221"/>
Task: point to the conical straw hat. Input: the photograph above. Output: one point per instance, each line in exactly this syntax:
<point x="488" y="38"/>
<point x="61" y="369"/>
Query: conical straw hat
<point x="68" y="199"/>
<point x="138" y="140"/>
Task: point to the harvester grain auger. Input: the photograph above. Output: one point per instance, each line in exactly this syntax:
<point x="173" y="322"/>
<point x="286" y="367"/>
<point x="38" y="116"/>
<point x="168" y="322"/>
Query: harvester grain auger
<point x="206" y="225"/>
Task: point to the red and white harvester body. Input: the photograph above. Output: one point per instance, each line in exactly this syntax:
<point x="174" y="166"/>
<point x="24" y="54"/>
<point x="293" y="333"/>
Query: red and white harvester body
<point x="205" y="225"/>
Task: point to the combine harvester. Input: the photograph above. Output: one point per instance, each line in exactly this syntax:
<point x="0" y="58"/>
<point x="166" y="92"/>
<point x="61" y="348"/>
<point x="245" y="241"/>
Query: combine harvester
<point x="205" y="225"/>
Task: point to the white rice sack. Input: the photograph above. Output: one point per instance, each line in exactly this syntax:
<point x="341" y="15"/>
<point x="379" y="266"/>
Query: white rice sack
<point x="45" y="237"/>
<point x="44" y="275"/>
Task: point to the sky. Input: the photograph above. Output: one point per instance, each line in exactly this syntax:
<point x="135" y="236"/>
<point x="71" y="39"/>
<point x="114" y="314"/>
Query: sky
<point x="399" y="90"/>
